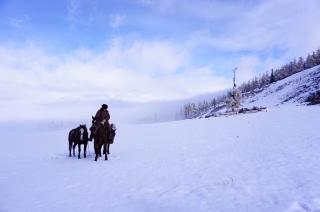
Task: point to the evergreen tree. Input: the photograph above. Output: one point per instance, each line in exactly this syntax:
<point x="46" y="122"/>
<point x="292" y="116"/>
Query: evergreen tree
<point x="214" y="103"/>
<point x="300" y="64"/>
<point x="317" y="57"/>
<point x="272" y="78"/>
<point x="311" y="61"/>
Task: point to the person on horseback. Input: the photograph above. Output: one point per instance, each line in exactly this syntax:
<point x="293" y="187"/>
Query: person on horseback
<point x="102" y="115"/>
<point x="102" y="126"/>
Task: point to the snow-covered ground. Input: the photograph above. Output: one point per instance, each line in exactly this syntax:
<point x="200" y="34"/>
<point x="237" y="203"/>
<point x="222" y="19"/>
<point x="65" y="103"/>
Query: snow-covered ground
<point x="293" y="89"/>
<point x="267" y="161"/>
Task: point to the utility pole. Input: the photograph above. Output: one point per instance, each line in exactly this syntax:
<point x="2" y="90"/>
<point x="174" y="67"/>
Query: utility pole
<point x="234" y="78"/>
<point x="233" y="100"/>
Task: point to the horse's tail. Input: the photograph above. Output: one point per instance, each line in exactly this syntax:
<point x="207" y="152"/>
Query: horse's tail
<point x="70" y="137"/>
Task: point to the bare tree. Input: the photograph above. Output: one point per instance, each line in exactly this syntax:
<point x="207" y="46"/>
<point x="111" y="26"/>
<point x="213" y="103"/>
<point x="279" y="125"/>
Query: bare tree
<point x="234" y="96"/>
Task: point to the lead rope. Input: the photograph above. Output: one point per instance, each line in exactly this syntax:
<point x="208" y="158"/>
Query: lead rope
<point x="89" y="147"/>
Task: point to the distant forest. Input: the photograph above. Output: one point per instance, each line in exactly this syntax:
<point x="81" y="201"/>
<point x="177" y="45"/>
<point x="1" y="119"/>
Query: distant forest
<point x="193" y="110"/>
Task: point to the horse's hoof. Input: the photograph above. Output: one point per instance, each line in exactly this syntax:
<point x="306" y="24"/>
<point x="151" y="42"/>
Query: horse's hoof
<point x="84" y="156"/>
<point x="79" y="157"/>
<point x="106" y="158"/>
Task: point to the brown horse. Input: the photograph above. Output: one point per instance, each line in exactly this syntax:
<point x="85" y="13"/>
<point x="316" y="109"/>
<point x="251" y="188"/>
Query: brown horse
<point x="76" y="137"/>
<point x="103" y="137"/>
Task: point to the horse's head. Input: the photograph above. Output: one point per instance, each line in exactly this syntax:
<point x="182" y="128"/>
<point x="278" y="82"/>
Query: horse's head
<point x="93" y="119"/>
<point x="82" y="132"/>
<point x="83" y="127"/>
<point x="113" y="127"/>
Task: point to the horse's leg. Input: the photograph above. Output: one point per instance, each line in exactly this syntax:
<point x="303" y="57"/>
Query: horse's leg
<point x="105" y="148"/>
<point x="99" y="150"/>
<point x="70" y="147"/>
<point x="85" y="150"/>
<point x="96" y="150"/>
<point x="106" y="156"/>
<point x="79" y="150"/>
<point x="74" y="147"/>
<point x="108" y="149"/>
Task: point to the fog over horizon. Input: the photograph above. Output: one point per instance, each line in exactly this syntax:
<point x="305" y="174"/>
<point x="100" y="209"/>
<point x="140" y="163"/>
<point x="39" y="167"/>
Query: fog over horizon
<point x="67" y="114"/>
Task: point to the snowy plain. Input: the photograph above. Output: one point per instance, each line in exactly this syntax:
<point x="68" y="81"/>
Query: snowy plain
<point x="267" y="161"/>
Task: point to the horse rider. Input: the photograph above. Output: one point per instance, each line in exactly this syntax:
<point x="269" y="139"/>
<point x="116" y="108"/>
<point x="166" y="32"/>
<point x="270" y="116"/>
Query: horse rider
<point x="102" y="116"/>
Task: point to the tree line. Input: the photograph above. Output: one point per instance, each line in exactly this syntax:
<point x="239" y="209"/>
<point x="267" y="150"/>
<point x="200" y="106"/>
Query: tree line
<point x="232" y="98"/>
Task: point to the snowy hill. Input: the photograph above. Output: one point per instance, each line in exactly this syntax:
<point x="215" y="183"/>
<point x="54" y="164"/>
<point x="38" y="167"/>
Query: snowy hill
<point x="293" y="89"/>
<point x="250" y="162"/>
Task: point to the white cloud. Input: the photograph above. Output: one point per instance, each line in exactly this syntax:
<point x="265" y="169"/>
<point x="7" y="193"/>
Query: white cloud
<point x="73" y="10"/>
<point x="264" y="35"/>
<point x="19" y="22"/>
<point x="142" y="71"/>
<point x="81" y="12"/>
<point x="288" y="24"/>
<point x="116" y="21"/>
<point x="16" y="23"/>
<point x="154" y="57"/>
<point x="247" y="67"/>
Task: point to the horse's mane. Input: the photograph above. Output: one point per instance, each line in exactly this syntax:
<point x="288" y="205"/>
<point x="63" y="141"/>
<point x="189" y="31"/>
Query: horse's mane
<point x="77" y="129"/>
<point x="82" y="126"/>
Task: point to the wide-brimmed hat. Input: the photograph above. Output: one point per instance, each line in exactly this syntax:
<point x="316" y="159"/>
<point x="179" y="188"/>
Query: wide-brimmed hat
<point x="104" y="106"/>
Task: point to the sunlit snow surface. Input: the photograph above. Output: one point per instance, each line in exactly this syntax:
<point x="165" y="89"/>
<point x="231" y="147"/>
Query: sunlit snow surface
<point x="267" y="161"/>
<point x="293" y="89"/>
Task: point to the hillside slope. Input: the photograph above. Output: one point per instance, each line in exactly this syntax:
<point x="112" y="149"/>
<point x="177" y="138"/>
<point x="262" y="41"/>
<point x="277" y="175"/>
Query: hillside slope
<point x="293" y="89"/>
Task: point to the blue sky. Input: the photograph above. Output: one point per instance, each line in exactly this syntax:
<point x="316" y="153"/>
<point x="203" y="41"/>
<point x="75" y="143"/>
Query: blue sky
<point x="144" y="50"/>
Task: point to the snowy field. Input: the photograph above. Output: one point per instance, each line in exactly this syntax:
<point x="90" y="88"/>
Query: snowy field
<point x="268" y="161"/>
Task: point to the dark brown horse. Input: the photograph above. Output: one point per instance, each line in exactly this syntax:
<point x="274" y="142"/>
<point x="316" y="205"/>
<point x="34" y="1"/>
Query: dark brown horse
<point x="103" y="137"/>
<point x="76" y="137"/>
